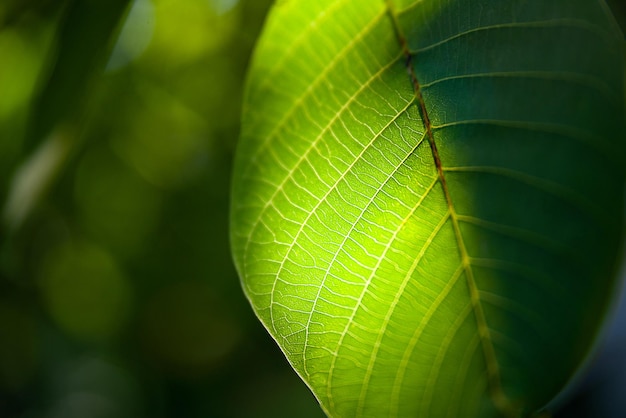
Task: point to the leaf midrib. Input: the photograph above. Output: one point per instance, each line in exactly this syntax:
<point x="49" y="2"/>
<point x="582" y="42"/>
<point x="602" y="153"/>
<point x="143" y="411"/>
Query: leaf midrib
<point x="498" y="397"/>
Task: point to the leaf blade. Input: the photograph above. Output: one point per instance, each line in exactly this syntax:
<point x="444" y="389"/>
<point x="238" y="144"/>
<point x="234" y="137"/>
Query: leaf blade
<point x="361" y="247"/>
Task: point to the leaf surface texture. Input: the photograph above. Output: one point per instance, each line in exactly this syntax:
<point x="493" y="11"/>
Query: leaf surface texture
<point x="427" y="198"/>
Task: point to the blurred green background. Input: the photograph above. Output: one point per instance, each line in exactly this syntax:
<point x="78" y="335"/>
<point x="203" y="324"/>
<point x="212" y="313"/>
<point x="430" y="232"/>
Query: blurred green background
<point x="118" y="298"/>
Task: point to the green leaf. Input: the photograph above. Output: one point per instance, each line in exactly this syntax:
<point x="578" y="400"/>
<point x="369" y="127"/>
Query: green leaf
<point x="428" y="197"/>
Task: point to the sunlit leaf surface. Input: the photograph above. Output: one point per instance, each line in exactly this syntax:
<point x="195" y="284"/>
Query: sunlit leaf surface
<point x="428" y="197"/>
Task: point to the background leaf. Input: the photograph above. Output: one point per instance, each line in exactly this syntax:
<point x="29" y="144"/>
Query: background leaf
<point x="427" y="202"/>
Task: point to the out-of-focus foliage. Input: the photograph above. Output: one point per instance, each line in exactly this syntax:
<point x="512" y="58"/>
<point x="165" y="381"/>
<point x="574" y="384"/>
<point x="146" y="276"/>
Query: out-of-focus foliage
<point x="117" y="293"/>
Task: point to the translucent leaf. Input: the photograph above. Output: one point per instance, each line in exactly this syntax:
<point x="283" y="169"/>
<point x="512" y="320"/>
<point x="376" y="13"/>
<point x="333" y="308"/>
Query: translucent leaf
<point x="428" y="198"/>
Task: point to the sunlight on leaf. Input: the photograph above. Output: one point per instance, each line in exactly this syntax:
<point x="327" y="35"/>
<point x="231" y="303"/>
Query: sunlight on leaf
<point x="428" y="198"/>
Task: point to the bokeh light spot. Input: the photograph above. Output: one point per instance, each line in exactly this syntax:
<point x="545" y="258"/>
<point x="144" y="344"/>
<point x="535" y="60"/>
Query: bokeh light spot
<point x="187" y="30"/>
<point x="169" y="152"/>
<point x="85" y="291"/>
<point x="116" y="206"/>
